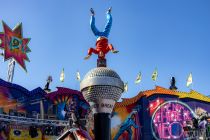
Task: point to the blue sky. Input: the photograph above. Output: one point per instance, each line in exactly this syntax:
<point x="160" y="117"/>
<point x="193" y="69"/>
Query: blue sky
<point x="170" y="35"/>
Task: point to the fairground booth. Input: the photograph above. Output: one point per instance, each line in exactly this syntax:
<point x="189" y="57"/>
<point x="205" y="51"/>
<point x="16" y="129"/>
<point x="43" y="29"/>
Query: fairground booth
<point x="36" y="114"/>
<point x="159" y="113"/>
<point x="162" y="114"/>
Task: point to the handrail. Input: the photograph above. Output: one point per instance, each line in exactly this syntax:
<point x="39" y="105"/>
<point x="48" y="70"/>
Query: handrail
<point x="198" y="134"/>
<point x="18" y="119"/>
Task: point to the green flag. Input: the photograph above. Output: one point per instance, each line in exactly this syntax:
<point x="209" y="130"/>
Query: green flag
<point x="155" y="75"/>
<point x="62" y="76"/>
<point x="189" y="80"/>
<point x="126" y="87"/>
<point x="138" y="78"/>
<point x="78" y="76"/>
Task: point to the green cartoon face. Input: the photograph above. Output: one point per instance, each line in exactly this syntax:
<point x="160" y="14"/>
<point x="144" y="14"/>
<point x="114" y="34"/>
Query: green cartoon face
<point x="15" y="43"/>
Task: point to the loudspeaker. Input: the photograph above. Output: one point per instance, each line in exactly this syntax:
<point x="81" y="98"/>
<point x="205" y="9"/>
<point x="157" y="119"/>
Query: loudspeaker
<point x="17" y="132"/>
<point x="49" y="130"/>
<point x="33" y="131"/>
<point x="21" y="114"/>
<point x="13" y="112"/>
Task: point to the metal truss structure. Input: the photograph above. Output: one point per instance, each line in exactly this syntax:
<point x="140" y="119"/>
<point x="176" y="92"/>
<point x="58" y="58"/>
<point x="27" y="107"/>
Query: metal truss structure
<point x="25" y="120"/>
<point x="11" y="69"/>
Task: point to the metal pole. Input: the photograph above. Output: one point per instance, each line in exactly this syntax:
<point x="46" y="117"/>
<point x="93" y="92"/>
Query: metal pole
<point x="102" y="126"/>
<point x="41" y="109"/>
<point x="11" y="68"/>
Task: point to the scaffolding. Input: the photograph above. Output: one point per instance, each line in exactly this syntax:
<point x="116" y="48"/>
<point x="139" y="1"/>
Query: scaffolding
<point x="25" y="120"/>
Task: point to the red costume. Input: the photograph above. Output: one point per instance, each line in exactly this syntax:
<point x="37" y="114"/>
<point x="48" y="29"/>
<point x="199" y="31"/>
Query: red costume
<point x="102" y="48"/>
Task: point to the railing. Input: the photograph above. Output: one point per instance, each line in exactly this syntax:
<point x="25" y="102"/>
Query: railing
<point x="197" y="134"/>
<point x="25" y="120"/>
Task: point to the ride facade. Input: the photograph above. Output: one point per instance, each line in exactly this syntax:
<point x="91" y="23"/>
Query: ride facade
<point x="162" y="114"/>
<point x="36" y="114"/>
<point x="159" y="113"/>
<point x="93" y="112"/>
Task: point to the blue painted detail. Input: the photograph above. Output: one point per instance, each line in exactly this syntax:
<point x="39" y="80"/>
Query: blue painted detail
<point x="126" y="126"/>
<point x="106" y="31"/>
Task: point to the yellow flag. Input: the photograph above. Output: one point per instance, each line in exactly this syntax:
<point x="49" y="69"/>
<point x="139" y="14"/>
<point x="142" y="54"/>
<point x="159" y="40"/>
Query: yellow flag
<point x="155" y="75"/>
<point x="138" y="78"/>
<point x="78" y="76"/>
<point x="189" y="80"/>
<point x="126" y="87"/>
<point x="62" y="76"/>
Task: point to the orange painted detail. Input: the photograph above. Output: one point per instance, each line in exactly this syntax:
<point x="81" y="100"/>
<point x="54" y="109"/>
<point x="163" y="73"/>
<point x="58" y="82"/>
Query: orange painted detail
<point x="163" y="91"/>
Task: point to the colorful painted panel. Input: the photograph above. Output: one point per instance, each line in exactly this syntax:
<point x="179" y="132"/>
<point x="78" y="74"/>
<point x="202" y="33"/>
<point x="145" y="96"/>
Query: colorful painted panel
<point x="8" y="101"/>
<point x="68" y="101"/>
<point x="125" y="123"/>
<point x="169" y="119"/>
<point x="14" y="45"/>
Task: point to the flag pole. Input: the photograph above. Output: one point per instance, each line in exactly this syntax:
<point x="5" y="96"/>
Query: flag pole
<point x="78" y="79"/>
<point x="155" y="76"/>
<point x="155" y="83"/>
<point x="192" y="86"/>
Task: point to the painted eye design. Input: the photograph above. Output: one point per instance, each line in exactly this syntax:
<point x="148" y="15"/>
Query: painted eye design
<point x="17" y="132"/>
